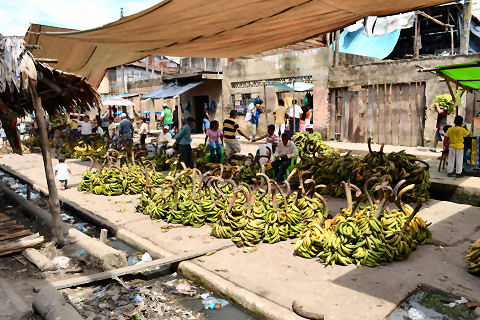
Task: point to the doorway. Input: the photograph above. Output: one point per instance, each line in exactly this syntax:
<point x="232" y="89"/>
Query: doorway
<point x="198" y="102"/>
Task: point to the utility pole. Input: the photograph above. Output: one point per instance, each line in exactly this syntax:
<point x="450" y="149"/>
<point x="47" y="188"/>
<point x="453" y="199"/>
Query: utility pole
<point x="121" y="13"/>
<point x="465" y="34"/>
<point x="337" y="49"/>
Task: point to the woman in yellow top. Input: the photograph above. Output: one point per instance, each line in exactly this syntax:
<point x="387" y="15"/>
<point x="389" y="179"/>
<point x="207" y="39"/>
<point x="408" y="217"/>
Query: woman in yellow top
<point x="454" y="143"/>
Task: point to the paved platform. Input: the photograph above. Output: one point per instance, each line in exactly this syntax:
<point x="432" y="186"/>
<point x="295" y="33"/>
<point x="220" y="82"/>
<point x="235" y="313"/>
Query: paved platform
<point x="276" y="274"/>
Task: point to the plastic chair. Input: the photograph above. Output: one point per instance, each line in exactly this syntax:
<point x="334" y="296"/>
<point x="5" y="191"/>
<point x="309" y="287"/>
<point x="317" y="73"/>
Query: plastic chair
<point x="222" y="153"/>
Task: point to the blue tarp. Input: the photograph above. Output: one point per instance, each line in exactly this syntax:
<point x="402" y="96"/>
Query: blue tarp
<point x="158" y="112"/>
<point x="119" y="96"/>
<point x="146" y="112"/>
<point x="171" y="89"/>
<point x="299" y="86"/>
<point x="359" y="43"/>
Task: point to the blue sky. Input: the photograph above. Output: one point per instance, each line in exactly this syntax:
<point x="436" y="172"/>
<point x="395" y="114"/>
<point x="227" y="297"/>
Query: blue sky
<point x="16" y="15"/>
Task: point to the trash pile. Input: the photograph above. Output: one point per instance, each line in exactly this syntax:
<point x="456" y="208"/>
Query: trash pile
<point x="168" y="297"/>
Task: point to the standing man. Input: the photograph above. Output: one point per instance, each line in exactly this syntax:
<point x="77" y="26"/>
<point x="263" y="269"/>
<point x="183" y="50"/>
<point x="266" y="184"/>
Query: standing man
<point x="294" y="113"/>
<point x="143" y="131"/>
<point x="73" y="125"/>
<point x="166" y="117"/>
<point x="279" y="115"/>
<point x="112" y="131"/>
<point x="205" y="118"/>
<point x="125" y="131"/>
<point x="230" y="128"/>
<point x="286" y="150"/>
<point x="184" y="139"/>
<point x="254" y="121"/>
<point x="86" y="129"/>
<point x="441" y="123"/>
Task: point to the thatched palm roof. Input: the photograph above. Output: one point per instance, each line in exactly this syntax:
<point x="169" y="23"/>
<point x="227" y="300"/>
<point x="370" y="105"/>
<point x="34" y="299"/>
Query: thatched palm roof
<point x="58" y="90"/>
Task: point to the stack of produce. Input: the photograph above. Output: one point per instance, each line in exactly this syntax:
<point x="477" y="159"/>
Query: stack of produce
<point x="327" y="166"/>
<point x="190" y="199"/>
<point x="266" y="216"/>
<point x="365" y="235"/>
<point x="94" y="149"/>
<point x="116" y="181"/>
<point x="445" y="102"/>
<point x="473" y="257"/>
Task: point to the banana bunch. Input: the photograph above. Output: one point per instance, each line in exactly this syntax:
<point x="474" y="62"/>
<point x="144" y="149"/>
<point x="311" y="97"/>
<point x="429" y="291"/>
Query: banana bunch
<point x="362" y="239"/>
<point x="114" y="181"/>
<point x="473" y="257"/>
<point x="328" y="167"/>
<point x="268" y="217"/>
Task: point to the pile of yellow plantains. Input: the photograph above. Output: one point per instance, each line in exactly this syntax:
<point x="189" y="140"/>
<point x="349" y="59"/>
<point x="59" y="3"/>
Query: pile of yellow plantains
<point x="473" y="257"/>
<point x="366" y="234"/>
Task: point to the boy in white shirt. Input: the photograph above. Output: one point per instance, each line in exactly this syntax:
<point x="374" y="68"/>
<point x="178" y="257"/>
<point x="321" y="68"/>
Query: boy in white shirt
<point x="62" y="171"/>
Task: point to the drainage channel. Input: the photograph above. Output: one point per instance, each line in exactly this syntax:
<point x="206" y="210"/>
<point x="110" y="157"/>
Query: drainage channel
<point x="147" y="295"/>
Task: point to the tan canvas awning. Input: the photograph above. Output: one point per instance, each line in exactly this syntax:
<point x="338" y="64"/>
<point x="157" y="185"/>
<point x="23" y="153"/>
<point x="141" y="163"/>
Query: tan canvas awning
<point x="206" y="28"/>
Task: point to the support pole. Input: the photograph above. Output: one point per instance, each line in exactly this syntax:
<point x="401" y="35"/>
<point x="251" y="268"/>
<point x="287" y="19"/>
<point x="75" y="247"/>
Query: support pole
<point x="293" y="101"/>
<point x="451" y="41"/>
<point x="337" y="49"/>
<point x="416" y="40"/>
<point x="465" y="33"/>
<point x="47" y="162"/>
<point x="265" y="96"/>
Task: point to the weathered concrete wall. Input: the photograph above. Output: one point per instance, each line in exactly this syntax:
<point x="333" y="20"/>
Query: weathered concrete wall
<point x="402" y="71"/>
<point x="188" y="65"/>
<point x="313" y="64"/>
<point x="212" y="89"/>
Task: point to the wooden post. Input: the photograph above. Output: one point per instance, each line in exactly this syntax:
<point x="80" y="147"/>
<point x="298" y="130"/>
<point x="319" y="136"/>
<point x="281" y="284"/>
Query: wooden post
<point x="465" y="33"/>
<point x="293" y="101"/>
<point x="337" y="49"/>
<point x="451" y="41"/>
<point x="47" y="163"/>
<point x="265" y="97"/>
<point x="416" y="40"/>
<point x="103" y="235"/>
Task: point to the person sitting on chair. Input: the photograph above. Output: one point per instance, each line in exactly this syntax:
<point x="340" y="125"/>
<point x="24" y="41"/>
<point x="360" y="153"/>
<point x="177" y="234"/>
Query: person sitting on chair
<point x="286" y="150"/>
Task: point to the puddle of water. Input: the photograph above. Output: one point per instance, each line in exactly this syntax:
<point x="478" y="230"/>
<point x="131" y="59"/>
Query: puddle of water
<point x="432" y="304"/>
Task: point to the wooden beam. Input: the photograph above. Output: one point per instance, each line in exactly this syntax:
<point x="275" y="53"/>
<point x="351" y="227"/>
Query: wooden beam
<point x="337" y="48"/>
<point x="434" y="20"/>
<point x="416" y="39"/>
<point x="19" y="245"/>
<point x="138" y="267"/>
<point x="46" y="60"/>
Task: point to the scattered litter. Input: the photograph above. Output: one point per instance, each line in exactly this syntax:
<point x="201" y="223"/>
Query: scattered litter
<point x="100" y="294"/>
<point x="81" y="228"/>
<point x="183" y="287"/>
<point x="138" y="298"/>
<point x="462" y="300"/>
<point x="80" y="253"/>
<point x="132" y="260"/>
<point x="61" y="261"/>
<point x="146" y="257"/>
<point x="116" y="278"/>
<point x="214" y="303"/>
<point x="209" y="253"/>
<point x="66" y="217"/>
<point x="81" y="298"/>
<point x="415" y="314"/>
<point x="205" y="295"/>
<point x="249" y="249"/>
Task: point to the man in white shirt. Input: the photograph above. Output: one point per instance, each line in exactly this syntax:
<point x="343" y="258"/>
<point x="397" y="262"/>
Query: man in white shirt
<point x="286" y="150"/>
<point x="112" y="131"/>
<point x="86" y="128"/>
<point x="294" y="112"/>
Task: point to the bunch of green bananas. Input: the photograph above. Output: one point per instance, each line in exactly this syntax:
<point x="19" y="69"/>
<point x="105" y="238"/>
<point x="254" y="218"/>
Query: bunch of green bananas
<point x="362" y="239"/>
<point x="180" y="202"/>
<point x="262" y="216"/>
<point x="114" y="181"/>
<point x="473" y="257"/>
<point x="327" y="166"/>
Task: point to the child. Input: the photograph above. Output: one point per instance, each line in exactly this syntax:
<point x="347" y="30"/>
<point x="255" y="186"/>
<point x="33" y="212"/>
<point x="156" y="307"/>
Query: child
<point x="454" y="143"/>
<point x="214" y="134"/>
<point x="3" y="136"/>
<point x="57" y="142"/>
<point x="62" y="172"/>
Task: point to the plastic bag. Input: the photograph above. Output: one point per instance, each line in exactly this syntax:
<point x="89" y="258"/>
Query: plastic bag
<point x="61" y="261"/>
<point x="415" y="314"/>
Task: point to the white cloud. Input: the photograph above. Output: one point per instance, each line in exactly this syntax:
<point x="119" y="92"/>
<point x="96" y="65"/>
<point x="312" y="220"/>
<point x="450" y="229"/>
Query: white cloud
<point x="76" y="14"/>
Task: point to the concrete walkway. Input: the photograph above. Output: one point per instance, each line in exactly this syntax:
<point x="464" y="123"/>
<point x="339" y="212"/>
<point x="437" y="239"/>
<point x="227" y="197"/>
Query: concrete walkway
<point x="273" y="275"/>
